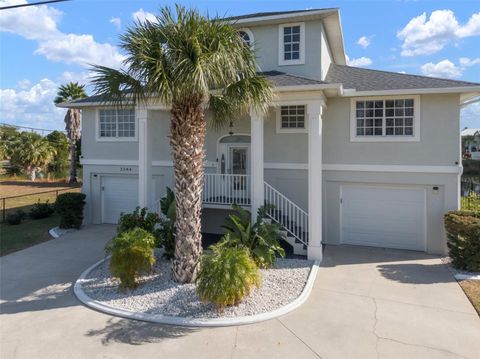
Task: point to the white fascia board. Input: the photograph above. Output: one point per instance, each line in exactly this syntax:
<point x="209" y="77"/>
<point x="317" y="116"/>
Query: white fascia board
<point x="466" y="89"/>
<point x="315" y="87"/>
<point x="392" y="168"/>
<point x="289" y="16"/>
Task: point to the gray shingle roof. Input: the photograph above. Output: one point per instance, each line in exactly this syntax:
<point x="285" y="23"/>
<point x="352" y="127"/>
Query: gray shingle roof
<point x="375" y="80"/>
<point x="279" y="79"/>
<point x="273" y="13"/>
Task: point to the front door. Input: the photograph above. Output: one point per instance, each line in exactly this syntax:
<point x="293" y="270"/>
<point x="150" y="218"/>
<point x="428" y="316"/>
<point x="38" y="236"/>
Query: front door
<point x="238" y="163"/>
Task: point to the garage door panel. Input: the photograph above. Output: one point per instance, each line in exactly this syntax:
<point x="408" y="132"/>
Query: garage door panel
<point x="120" y="194"/>
<point x="383" y="217"/>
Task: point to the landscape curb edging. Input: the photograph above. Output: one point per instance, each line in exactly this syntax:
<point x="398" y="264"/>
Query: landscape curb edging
<point x="57" y="232"/>
<point x="192" y="322"/>
<point x="460" y="276"/>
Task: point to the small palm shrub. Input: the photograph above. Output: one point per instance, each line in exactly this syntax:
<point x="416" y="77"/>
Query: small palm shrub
<point x="166" y="231"/>
<point x="463" y="233"/>
<point x="139" y="218"/>
<point x="132" y="255"/>
<point x="41" y="210"/>
<point x="261" y="239"/>
<point x="227" y="276"/>
<point x="70" y="208"/>
<point x="15" y="217"/>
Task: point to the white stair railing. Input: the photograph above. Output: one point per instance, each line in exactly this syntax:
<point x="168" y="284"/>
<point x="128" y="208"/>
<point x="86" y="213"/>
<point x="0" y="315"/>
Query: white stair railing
<point x="226" y="189"/>
<point x="287" y="214"/>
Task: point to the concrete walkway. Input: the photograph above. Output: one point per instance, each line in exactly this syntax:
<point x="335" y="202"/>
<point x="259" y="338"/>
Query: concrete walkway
<point x="367" y="303"/>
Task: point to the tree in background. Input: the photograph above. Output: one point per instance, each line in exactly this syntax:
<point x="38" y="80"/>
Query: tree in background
<point x="70" y="92"/>
<point x="59" y="142"/>
<point x="190" y="63"/>
<point x="8" y="134"/>
<point x="32" y="153"/>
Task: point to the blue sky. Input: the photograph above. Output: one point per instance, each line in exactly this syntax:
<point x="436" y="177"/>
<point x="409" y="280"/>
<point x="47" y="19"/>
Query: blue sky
<point x="45" y="46"/>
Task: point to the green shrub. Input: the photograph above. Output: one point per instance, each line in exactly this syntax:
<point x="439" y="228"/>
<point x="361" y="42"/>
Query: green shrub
<point x="132" y="255"/>
<point x="166" y="231"/>
<point x="41" y="210"/>
<point x="139" y="218"/>
<point x="227" y="276"/>
<point x="70" y="208"/>
<point x="15" y="217"/>
<point x="261" y="239"/>
<point x="463" y="232"/>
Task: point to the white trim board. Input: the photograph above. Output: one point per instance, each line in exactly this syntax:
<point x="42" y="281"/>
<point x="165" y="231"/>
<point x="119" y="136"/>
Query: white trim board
<point x="392" y="168"/>
<point x="107" y="162"/>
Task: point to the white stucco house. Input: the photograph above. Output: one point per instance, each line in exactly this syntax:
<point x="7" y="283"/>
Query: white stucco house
<point x="347" y="155"/>
<point x="471" y="142"/>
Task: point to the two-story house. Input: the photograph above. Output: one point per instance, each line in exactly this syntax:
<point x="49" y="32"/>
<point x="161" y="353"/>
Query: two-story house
<point x="347" y="155"/>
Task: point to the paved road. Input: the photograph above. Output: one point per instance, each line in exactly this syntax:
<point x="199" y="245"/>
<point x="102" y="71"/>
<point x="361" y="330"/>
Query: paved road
<point x="366" y="303"/>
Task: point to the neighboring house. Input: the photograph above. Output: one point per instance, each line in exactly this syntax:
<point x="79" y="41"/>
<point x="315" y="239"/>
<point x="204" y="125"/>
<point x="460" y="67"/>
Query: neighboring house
<point x="348" y="155"/>
<point x="471" y="143"/>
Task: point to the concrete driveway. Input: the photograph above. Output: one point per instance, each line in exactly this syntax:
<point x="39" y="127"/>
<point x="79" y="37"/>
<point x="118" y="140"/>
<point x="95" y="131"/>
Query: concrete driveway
<point x="366" y="303"/>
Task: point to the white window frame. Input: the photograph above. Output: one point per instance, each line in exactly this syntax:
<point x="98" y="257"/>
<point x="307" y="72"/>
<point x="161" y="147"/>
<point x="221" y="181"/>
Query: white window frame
<point x="278" y="121"/>
<point x="250" y="34"/>
<point x="114" y="139"/>
<point x="281" y="60"/>
<point x="398" y="138"/>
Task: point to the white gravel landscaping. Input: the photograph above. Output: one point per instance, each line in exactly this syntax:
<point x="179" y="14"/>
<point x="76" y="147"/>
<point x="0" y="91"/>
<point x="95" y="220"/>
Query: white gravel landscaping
<point x="158" y="294"/>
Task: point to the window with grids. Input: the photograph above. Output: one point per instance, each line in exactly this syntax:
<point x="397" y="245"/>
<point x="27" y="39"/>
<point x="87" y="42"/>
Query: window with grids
<point x="291" y="42"/>
<point x="292" y="117"/>
<point x="385" y="117"/>
<point x="117" y="123"/>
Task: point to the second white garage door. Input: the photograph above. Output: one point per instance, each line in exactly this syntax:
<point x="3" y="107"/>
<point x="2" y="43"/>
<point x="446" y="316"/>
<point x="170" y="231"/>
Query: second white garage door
<point x="383" y="217"/>
<point x="119" y="194"/>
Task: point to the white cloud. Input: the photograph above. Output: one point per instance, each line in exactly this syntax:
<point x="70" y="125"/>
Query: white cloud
<point x="141" y="16"/>
<point x="466" y="62"/>
<point x="116" y="21"/>
<point x="444" y="68"/>
<point x="40" y="23"/>
<point x="24" y="84"/>
<point x="470" y="115"/>
<point x="359" y="62"/>
<point x="32" y="106"/>
<point x="364" y="41"/>
<point x="80" y="50"/>
<point x="423" y="37"/>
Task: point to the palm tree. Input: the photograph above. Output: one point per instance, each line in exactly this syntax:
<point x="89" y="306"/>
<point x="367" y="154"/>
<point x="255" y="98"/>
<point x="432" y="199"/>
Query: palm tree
<point x="69" y="92"/>
<point x="190" y="63"/>
<point x="32" y="152"/>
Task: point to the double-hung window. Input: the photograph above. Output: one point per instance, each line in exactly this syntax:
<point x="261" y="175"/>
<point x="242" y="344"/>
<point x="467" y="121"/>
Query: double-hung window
<point x="385" y="119"/>
<point x="117" y="124"/>
<point x="291" y="119"/>
<point x="291" y="44"/>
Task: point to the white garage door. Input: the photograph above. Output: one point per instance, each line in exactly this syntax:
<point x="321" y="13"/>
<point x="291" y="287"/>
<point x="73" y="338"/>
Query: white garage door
<point x="383" y="217"/>
<point x="119" y="194"/>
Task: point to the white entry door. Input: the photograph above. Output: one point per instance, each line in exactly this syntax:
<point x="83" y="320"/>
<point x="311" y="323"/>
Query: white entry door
<point x="119" y="194"/>
<point x="383" y="217"/>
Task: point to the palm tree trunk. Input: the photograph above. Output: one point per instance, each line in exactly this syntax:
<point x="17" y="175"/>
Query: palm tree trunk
<point x="187" y="130"/>
<point x="73" y="163"/>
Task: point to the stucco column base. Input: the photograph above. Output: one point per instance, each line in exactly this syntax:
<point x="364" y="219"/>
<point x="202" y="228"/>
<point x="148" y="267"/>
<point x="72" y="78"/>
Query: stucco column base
<point x="315" y="253"/>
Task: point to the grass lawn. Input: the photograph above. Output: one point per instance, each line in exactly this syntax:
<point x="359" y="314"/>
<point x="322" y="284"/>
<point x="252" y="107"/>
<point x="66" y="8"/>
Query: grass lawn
<point x="31" y="192"/>
<point x="472" y="290"/>
<point x="26" y="234"/>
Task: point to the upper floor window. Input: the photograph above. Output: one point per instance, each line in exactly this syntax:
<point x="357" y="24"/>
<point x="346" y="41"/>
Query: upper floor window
<point x="291" y="44"/>
<point x="116" y="124"/>
<point x="385" y="119"/>
<point x="247" y="36"/>
<point x="291" y="119"/>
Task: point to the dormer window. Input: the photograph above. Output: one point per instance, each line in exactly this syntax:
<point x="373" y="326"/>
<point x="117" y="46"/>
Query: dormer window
<point x="247" y="36"/>
<point x="291" y="44"/>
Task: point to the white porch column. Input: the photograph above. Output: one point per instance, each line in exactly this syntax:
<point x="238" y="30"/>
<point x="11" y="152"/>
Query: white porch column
<point x="314" y="111"/>
<point x="256" y="162"/>
<point x="144" y="158"/>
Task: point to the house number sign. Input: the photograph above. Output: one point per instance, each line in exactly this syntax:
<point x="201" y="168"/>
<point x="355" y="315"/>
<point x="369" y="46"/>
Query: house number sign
<point x="125" y="169"/>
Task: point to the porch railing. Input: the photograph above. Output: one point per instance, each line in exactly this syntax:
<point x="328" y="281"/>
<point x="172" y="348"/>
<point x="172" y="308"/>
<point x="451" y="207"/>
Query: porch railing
<point x="226" y="189"/>
<point x="287" y="213"/>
